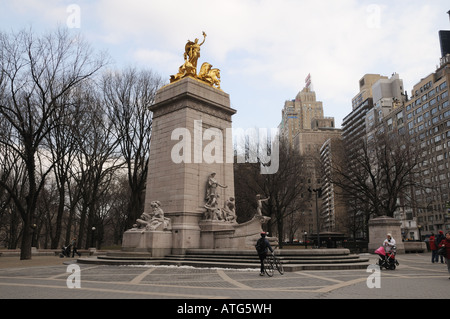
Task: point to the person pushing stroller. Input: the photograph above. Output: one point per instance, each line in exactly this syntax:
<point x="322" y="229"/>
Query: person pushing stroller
<point x="389" y="244"/>
<point x="387" y="253"/>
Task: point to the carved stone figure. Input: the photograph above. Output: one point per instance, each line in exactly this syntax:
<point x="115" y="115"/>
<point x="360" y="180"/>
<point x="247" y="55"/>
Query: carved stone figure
<point x="211" y="189"/>
<point x="143" y="221"/>
<point x="259" y="202"/>
<point x="213" y="211"/>
<point x="158" y="217"/>
<point x="229" y="210"/>
<point x="153" y="221"/>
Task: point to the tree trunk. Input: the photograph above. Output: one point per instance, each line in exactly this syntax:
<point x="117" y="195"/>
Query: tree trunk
<point x="27" y="237"/>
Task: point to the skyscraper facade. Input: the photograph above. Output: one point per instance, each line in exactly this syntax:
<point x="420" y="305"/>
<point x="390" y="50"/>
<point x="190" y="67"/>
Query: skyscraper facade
<point x="306" y="129"/>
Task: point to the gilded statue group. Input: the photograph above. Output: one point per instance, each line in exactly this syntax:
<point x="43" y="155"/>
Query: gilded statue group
<point x="213" y="210"/>
<point x="191" y="55"/>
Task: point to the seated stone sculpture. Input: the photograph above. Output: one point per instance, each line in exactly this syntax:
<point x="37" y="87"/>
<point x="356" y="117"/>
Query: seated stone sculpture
<point x="154" y="221"/>
<point x="229" y="211"/>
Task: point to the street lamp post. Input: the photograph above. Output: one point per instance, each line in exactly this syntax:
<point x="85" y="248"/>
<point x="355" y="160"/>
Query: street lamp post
<point x="92" y="237"/>
<point x="306" y="240"/>
<point x="318" y="192"/>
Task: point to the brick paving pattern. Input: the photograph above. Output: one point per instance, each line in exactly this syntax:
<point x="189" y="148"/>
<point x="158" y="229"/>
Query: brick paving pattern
<point x="46" y="278"/>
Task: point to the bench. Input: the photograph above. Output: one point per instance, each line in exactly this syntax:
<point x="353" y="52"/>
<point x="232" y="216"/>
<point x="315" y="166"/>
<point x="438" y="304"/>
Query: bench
<point x="415" y="247"/>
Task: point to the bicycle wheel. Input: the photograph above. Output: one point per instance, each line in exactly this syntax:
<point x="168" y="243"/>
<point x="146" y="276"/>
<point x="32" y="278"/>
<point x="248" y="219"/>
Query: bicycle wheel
<point x="268" y="266"/>
<point x="278" y="265"/>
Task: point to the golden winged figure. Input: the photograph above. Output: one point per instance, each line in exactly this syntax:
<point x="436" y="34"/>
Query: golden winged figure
<point x="192" y="50"/>
<point x="189" y="68"/>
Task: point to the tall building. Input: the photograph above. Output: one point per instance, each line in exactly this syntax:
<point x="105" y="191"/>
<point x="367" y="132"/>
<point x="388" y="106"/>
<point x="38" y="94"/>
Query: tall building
<point x="444" y="37"/>
<point x="427" y="117"/>
<point x="387" y="96"/>
<point x="297" y="114"/>
<point x="305" y="114"/>
<point x="333" y="211"/>
<point x="354" y="124"/>
<point x="306" y="129"/>
<point x="377" y="96"/>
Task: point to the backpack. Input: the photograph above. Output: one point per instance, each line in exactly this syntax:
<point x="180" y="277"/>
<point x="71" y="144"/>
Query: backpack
<point x="261" y="246"/>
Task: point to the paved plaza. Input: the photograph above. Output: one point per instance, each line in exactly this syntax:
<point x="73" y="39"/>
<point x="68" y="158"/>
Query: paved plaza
<point x="47" y="278"/>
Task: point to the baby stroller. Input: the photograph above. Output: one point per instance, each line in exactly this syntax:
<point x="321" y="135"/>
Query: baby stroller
<point x="387" y="260"/>
<point x="65" y="252"/>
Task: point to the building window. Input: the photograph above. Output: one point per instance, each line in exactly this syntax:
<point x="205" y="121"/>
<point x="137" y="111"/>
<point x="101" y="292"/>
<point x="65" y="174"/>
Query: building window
<point x="400" y="118"/>
<point x="389" y="124"/>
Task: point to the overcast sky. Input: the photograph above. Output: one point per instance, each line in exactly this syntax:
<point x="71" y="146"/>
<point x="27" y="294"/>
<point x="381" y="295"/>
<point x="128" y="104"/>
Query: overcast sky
<point x="264" y="48"/>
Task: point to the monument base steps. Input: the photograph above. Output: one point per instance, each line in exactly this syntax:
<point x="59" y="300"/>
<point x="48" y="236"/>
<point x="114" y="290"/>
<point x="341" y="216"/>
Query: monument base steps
<point x="293" y="260"/>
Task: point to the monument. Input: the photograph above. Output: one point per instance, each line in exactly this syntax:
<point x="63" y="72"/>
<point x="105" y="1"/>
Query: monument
<point x="379" y="227"/>
<point x="190" y="200"/>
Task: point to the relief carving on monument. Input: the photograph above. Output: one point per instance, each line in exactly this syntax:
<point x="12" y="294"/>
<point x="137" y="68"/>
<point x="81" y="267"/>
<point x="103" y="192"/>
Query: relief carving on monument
<point x="213" y="209"/>
<point x="154" y="221"/>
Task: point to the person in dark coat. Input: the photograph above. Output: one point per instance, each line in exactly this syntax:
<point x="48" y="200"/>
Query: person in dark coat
<point x="74" y="247"/>
<point x="262" y="246"/>
<point x="438" y="240"/>
<point x="446" y="243"/>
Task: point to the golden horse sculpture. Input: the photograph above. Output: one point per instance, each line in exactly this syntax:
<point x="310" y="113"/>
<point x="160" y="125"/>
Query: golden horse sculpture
<point x="191" y="55"/>
<point x="209" y="75"/>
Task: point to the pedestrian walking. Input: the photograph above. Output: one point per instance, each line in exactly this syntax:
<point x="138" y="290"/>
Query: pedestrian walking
<point x="438" y="240"/>
<point x="74" y="247"/>
<point x="262" y="246"/>
<point x="434" y="248"/>
<point x="446" y="243"/>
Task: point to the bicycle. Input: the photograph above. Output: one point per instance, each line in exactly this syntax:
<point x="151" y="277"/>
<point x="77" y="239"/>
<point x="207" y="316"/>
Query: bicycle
<point x="268" y="266"/>
<point x="270" y="263"/>
<point x="277" y="263"/>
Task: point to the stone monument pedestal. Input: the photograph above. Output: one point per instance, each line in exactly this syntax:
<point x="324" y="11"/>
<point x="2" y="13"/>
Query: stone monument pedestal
<point x="216" y="234"/>
<point x="155" y="243"/>
<point x="189" y="118"/>
<point x="221" y="235"/>
<point x="379" y="227"/>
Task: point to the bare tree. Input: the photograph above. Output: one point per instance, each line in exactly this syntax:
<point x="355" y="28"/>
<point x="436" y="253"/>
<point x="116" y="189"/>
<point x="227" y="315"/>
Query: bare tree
<point x="377" y="176"/>
<point x="36" y="71"/>
<point x="127" y="96"/>
<point x="96" y="163"/>
<point x="284" y="189"/>
<point x="12" y="173"/>
<point x="61" y="145"/>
